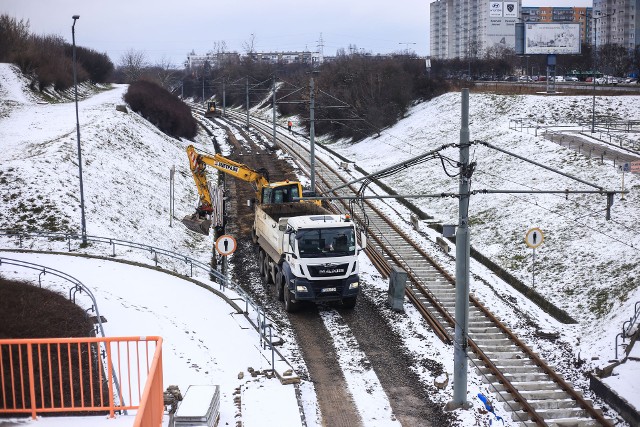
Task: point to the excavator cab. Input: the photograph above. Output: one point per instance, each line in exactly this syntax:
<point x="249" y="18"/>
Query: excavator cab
<point x="283" y="193"/>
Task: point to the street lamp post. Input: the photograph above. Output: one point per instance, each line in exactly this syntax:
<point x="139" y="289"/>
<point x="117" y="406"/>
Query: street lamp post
<point x="406" y="50"/>
<point x="75" y="85"/>
<point x="595" y="63"/>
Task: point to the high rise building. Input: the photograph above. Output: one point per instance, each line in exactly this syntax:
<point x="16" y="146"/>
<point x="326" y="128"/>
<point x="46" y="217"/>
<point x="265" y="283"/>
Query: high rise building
<point x="472" y="28"/>
<point x="617" y="22"/>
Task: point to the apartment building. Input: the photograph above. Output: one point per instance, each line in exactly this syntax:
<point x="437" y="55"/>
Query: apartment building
<point x="617" y="22"/>
<point x="471" y="28"/>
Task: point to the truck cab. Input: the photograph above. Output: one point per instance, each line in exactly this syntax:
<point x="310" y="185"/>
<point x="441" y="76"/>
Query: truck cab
<point x="308" y="253"/>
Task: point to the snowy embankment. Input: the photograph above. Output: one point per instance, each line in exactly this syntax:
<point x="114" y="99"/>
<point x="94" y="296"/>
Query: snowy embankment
<point x="588" y="266"/>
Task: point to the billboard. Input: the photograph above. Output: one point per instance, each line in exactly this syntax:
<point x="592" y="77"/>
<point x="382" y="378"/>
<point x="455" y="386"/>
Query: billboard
<point x="501" y="22"/>
<point x="551" y="38"/>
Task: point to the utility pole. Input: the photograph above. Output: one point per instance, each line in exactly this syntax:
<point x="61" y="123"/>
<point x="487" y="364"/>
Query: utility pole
<point x="224" y="97"/>
<point x="75" y="85"/>
<point x="247" y="102"/>
<point x="274" y="111"/>
<point x="595" y="64"/>
<point x="462" y="265"/>
<point x="406" y="50"/>
<point x="312" y="135"/>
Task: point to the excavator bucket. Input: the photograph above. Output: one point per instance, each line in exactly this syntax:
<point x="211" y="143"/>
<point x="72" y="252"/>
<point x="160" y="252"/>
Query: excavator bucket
<point x="196" y="224"/>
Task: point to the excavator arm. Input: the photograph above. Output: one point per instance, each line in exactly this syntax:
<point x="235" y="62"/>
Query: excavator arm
<point x="278" y="192"/>
<point x="197" y="163"/>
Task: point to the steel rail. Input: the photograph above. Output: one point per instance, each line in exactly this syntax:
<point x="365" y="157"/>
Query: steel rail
<point x="477" y="350"/>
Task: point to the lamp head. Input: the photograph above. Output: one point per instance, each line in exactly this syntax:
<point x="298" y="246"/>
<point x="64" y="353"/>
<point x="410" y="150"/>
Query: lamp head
<point x="75" y="17"/>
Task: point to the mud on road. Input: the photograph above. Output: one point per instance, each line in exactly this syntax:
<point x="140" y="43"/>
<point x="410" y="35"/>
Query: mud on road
<point x="408" y="396"/>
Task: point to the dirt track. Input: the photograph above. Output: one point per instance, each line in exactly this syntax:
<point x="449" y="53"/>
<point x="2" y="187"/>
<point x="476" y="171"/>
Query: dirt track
<point x="409" y="398"/>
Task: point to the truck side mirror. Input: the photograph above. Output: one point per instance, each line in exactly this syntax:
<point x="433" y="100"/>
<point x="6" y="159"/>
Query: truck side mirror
<point x="363" y="239"/>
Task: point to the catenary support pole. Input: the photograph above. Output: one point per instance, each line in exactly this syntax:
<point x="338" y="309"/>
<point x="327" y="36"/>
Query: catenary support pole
<point x="275" y="144"/>
<point x="247" y="102"/>
<point x="462" y="266"/>
<point x="312" y="135"/>
<point x="224" y="97"/>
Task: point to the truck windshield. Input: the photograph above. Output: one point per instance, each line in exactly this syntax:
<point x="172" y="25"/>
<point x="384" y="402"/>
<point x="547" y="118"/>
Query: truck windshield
<point x="326" y="242"/>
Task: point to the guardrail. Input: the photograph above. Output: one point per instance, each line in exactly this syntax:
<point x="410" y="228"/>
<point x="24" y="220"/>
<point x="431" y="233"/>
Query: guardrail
<point x="628" y="327"/>
<point x="254" y="312"/>
<point x="77" y="285"/>
<point x="70" y="375"/>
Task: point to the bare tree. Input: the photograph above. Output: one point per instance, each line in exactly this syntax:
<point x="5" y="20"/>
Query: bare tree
<point x="250" y="45"/>
<point x="219" y="47"/>
<point x="615" y="59"/>
<point x="167" y="74"/>
<point x="14" y="35"/>
<point x="132" y="64"/>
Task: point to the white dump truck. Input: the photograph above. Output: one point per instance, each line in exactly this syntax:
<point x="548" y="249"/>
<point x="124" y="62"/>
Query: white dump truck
<point x="307" y="253"/>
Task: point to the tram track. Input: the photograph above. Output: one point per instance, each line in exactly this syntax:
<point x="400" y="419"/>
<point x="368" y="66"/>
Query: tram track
<point x="534" y="392"/>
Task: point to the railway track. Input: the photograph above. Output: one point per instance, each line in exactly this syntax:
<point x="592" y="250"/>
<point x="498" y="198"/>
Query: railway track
<point x="531" y="389"/>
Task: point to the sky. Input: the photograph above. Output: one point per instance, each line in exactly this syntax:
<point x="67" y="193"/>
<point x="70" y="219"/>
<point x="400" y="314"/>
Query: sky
<point x="168" y="31"/>
<point x="116" y="147"/>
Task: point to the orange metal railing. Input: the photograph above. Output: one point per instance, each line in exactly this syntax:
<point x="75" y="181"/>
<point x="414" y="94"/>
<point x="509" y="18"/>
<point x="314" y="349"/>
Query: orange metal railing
<point x="90" y="375"/>
<point x="152" y="403"/>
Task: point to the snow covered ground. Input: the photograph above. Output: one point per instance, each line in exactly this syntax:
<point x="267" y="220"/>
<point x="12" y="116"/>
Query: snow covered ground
<point x="587" y="266"/>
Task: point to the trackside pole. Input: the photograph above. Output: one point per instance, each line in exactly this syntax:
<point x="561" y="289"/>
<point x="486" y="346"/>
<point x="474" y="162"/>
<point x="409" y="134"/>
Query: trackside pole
<point x="462" y="268"/>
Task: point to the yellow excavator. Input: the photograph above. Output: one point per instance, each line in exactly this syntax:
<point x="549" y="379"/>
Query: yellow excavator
<point x="266" y="192"/>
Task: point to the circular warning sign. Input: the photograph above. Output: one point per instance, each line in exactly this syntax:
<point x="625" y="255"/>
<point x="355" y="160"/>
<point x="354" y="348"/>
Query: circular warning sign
<point x="226" y="245"/>
<point x="534" y="238"/>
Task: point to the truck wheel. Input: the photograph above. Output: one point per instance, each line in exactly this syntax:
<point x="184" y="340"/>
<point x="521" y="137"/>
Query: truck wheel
<point x="267" y="271"/>
<point x="281" y="289"/>
<point x="261" y="262"/>
<point x="349" y="303"/>
<point x="289" y="305"/>
<point x="254" y="236"/>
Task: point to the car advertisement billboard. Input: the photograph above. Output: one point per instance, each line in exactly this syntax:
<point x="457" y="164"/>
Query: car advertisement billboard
<point x="501" y="24"/>
<point x="551" y="38"/>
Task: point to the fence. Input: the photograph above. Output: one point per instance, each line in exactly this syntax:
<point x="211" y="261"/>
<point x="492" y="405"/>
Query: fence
<point x="255" y="313"/>
<point x="629" y="328"/>
<point x="70" y="375"/>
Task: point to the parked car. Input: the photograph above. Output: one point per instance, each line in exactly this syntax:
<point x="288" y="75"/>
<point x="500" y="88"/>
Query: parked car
<point x="607" y="80"/>
<point x="559" y="79"/>
<point x="570" y="78"/>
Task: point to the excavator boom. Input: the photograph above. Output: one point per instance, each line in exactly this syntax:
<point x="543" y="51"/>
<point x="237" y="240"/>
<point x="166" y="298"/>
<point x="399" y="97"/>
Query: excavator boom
<point x="278" y="192"/>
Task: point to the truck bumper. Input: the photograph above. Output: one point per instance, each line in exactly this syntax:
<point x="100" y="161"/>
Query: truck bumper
<point x="325" y="290"/>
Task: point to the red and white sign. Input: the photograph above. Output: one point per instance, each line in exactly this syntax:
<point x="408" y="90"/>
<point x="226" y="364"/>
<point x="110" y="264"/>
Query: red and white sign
<point x="635" y="166"/>
<point x="226" y="245"/>
<point x="534" y="238"/>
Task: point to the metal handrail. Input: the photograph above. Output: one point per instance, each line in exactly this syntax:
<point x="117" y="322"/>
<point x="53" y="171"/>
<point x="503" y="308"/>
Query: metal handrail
<point x="627" y="327"/>
<point x="77" y="284"/>
<point x="223" y="281"/>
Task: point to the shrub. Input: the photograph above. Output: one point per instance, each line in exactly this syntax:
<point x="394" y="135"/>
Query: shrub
<point x="48" y="60"/>
<point x="161" y="108"/>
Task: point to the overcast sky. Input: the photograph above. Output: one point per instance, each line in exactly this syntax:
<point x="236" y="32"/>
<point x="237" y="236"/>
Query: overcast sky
<point x="171" y="29"/>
